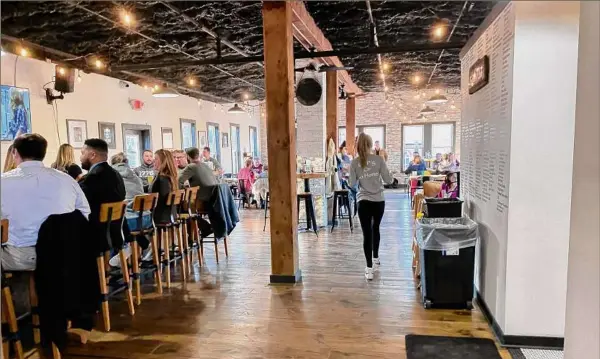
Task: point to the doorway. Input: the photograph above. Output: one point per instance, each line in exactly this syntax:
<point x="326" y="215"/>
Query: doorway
<point x="236" y="159"/>
<point x="136" y="139"/>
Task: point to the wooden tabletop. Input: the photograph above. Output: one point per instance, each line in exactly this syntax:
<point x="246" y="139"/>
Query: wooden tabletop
<point x="311" y="175"/>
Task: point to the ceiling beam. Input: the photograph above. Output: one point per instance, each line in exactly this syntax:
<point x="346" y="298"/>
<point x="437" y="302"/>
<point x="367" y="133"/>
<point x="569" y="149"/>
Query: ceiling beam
<point x="411" y="47"/>
<point x="376" y="42"/>
<point x="309" y="35"/>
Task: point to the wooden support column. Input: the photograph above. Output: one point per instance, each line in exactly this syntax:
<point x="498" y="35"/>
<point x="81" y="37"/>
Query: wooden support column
<point x="279" y="88"/>
<point x="350" y="124"/>
<point x="331" y="108"/>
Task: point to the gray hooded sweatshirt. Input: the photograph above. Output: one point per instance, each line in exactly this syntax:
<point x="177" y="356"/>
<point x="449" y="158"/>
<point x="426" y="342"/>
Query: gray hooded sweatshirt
<point x="133" y="184"/>
<point x="369" y="178"/>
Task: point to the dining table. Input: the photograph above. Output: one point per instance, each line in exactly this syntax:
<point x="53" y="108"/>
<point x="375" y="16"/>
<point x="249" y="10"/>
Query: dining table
<point x="308" y="176"/>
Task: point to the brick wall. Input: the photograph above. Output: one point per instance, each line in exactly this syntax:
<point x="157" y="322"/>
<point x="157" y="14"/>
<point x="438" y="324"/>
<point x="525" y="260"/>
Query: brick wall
<point x="373" y="109"/>
<point x="402" y="108"/>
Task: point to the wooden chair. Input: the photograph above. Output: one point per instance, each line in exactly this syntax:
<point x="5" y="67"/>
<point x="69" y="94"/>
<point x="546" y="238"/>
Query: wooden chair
<point x="109" y="213"/>
<point x="167" y="232"/>
<point x="203" y="212"/>
<point x="416" y="265"/>
<point x="431" y="189"/>
<point x="141" y="204"/>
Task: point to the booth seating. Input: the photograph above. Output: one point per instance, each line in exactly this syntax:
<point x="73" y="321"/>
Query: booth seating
<point x="341" y="199"/>
<point x="167" y="232"/>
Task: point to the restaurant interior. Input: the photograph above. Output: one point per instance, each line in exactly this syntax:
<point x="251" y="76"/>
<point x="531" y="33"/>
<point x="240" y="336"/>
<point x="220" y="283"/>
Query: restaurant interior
<point x="461" y="103"/>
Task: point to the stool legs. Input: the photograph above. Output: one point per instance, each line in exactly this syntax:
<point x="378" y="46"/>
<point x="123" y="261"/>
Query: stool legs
<point x="156" y="260"/>
<point x="104" y="292"/>
<point x="8" y="315"/>
<point x="225" y="243"/>
<point x="196" y="239"/>
<point x="135" y="263"/>
<point x="177" y="237"/>
<point x="335" y="211"/>
<point x="126" y="282"/>
<point x="35" y="316"/>
<point x="164" y="234"/>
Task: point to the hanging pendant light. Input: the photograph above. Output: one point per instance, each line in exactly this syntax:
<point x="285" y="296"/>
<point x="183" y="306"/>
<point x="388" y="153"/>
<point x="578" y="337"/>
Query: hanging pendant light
<point x="421" y="117"/>
<point x="427" y="110"/>
<point x="236" y="109"/>
<point x="164" y="92"/>
<point x="437" y="99"/>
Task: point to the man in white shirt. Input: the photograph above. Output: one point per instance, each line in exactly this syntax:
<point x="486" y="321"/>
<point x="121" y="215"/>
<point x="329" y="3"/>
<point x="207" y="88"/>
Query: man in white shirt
<point x="30" y="194"/>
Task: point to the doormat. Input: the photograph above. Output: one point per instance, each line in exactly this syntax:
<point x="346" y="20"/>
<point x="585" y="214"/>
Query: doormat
<point x="535" y="354"/>
<point x="431" y="347"/>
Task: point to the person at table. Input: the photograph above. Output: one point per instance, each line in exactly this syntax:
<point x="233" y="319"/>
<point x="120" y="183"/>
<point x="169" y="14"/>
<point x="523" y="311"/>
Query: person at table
<point x="435" y="165"/>
<point x="102" y="184"/>
<point x="133" y="184"/>
<point x="146" y="170"/>
<point x="197" y="172"/>
<point x="30" y="194"/>
<point x="65" y="162"/>
<point x="211" y="162"/>
<point x="449" y="187"/>
<point x="180" y="158"/>
<point x="380" y="151"/>
<point x="367" y="171"/>
<point x="164" y="183"/>
<point x="417" y="165"/>
<point x="247" y="176"/>
<point x="454" y="164"/>
<point x="9" y="160"/>
<point x="257" y="167"/>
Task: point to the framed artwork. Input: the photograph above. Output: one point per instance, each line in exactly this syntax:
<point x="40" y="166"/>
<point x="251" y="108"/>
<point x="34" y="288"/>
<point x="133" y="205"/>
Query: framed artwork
<point x="76" y="132"/>
<point x="167" y="137"/>
<point x="15" y="112"/>
<point x="202" y="139"/>
<point x="225" y="140"/>
<point x="106" y="130"/>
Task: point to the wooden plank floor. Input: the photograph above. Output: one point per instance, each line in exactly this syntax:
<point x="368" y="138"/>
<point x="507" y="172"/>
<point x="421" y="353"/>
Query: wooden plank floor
<point x="230" y="311"/>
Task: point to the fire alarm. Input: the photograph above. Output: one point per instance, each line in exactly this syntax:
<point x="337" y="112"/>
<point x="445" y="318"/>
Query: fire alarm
<point x="136" y="104"/>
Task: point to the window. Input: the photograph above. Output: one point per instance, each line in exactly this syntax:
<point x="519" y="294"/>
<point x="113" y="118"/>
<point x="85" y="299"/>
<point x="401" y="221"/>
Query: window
<point x="214" y="140"/>
<point x="377" y="133"/>
<point x="236" y="159"/>
<point x="427" y="140"/>
<point x="188" y="133"/>
<point x="253" y="141"/>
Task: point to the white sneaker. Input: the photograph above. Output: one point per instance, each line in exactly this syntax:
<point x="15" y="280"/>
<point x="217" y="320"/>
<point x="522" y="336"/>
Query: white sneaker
<point x="369" y="273"/>
<point x="116" y="260"/>
<point x="147" y="254"/>
<point x="376" y="264"/>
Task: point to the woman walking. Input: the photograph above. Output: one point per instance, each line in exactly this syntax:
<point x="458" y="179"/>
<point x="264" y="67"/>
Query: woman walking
<point x="367" y="170"/>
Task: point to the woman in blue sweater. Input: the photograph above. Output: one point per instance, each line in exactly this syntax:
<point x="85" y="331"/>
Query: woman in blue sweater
<point x="417" y="165"/>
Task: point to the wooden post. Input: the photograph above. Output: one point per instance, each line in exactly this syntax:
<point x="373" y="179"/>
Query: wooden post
<point x="281" y="141"/>
<point x="331" y="125"/>
<point x="350" y="124"/>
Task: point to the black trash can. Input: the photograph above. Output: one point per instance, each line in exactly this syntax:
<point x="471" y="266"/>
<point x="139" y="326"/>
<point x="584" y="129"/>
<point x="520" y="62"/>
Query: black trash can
<point x="443" y="207"/>
<point x="448" y="247"/>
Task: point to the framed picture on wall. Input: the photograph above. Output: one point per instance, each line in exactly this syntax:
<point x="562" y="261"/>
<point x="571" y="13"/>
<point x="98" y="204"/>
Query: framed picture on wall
<point x="106" y="131"/>
<point x="77" y="132"/>
<point x="166" y="134"/>
<point x="203" y="142"/>
<point x="15" y="113"/>
<point x="225" y="140"/>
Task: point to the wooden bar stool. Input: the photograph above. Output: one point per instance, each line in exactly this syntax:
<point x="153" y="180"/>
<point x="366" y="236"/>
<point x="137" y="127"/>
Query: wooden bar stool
<point x="189" y="226"/>
<point x="202" y="212"/>
<point x="141" y="204"/>
<point x="167" y="232"/>
<point x="309" y="207"/>
<point x="109" y="213"/>
<point x="8" y="309"/>
<point x="266" y="210"/>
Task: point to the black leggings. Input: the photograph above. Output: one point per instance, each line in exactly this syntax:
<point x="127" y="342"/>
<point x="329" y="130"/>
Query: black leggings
<point x="370" y="214"/>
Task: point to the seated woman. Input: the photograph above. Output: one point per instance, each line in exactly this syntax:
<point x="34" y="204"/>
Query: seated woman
<point x="417" y="165"/>
<point x="449" y="187"/>
<point x="164" y="183"/>
<point x="65" y="162"/>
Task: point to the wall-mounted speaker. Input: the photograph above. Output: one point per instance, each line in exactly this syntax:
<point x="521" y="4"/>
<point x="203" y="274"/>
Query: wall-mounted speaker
<point x="309" y="91"/>
<point x="64" y="79"/>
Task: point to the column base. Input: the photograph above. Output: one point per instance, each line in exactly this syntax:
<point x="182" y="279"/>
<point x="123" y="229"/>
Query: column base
<point x="287" y="279"/>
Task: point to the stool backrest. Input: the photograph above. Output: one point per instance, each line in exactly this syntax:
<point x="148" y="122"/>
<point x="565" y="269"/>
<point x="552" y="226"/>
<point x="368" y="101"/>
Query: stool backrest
<point x="174" y="198"/>
<point x="110" y="212"/>
<point x="191" y="194"/>
<point x="145" y="202"/>
<point x="4" y="231"/>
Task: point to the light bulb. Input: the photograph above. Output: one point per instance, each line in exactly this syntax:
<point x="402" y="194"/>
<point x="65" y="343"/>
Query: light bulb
<point x="192" y="81"/>
<point x="23" y="52"/>
<point x="386" y="66"/>
<point x="61" y="71"/>
<point x="99" y="64"/>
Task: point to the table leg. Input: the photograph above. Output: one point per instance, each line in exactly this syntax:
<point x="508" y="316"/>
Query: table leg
<point x="306" y="185"/>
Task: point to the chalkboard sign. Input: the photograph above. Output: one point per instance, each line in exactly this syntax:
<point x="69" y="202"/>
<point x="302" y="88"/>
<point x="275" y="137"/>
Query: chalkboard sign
<point x="479" y="74"/>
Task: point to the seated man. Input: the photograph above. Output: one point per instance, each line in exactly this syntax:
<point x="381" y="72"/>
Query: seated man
<point x="102" y="184"/>
<point x="30" y="194"/>
<point x="198" y="173"/>
<point x="211" y="162"/>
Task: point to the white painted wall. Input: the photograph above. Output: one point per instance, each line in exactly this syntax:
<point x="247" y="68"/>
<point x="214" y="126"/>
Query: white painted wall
<point x="100" y="99"/>
<point x="582" y="332"/>
<point x="543" y="116"/>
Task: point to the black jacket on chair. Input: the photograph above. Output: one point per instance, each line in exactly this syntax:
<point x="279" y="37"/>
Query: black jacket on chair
<point x="103" y="184"/>
<point x="66" y="276"/>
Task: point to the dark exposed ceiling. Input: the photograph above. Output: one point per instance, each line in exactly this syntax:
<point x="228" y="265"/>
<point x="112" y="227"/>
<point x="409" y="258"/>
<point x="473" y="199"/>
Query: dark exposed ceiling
<point x="92" y="29"/>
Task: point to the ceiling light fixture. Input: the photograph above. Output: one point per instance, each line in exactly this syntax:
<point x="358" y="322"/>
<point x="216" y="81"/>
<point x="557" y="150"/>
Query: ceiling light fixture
<point x="23" y="52"/>
<point x="421" y="117"/>
<point x="427" y="110"/>
<point x="236" y="109"/>
<point x="246" y="96"/>
<point x="437" y="99"/>
<point x="61" y="71"/>
<point x="79" y="76"/>
<point x="164" y="92"/>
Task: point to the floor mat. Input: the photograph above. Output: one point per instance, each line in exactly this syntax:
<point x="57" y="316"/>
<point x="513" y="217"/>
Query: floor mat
<point x="432" y="347"/>
<point x="535" y="354"/>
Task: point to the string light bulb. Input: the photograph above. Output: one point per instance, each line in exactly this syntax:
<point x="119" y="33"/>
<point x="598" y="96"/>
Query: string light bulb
<point x="382" y="76"/>
<point x="246" y="96"/>
<point x="385" y="66"/>
<point x="156" y="87"/>
<point x="385" y="88"/>
<point x="99" y="64"/>
<point x="437" y="91"/>
<point x="61" y="71"/>
<point x="439" y="31"/>
<point x="127" y="18"/>
<point x="79" y="77"/>
<point x="416" y="79"/>
<point x="453" y="107"/>
<point x="23" y="52"/>
<point x="192" y="81"/>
